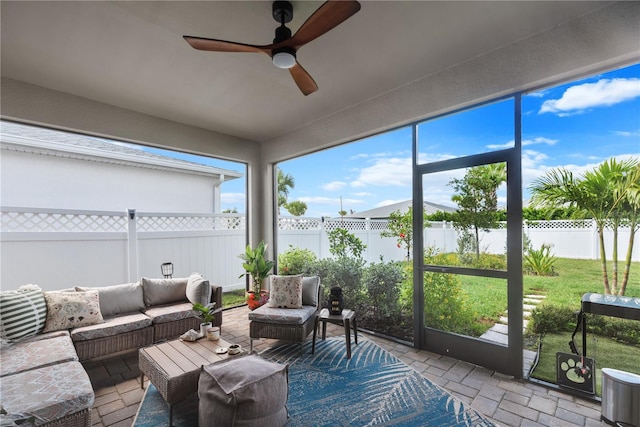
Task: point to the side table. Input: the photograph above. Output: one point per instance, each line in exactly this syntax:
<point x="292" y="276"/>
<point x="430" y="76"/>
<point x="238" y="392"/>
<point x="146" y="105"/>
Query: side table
<point x="346" y="318"/>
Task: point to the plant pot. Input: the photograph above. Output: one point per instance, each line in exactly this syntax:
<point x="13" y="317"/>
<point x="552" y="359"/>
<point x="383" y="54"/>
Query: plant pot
<point x="254" y="301"/>
<point x="204" y="327"/>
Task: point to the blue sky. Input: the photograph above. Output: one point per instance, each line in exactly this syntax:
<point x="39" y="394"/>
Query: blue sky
<point x="576" y="125"/>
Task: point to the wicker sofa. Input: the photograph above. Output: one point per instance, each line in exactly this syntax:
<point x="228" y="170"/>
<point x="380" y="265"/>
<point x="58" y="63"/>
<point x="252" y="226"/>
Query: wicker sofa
<point x="41" y="377"/>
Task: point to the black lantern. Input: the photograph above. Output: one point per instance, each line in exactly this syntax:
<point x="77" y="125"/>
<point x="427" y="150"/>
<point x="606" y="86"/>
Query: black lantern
<point x="167" y="270"/>
<point x="335" y="301"/>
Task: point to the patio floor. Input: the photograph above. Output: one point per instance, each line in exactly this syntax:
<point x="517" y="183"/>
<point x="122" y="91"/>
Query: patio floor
<point x="506" y="401"/>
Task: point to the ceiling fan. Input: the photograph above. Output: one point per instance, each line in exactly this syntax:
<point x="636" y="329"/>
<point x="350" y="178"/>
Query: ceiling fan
<point x="284" y="47"/>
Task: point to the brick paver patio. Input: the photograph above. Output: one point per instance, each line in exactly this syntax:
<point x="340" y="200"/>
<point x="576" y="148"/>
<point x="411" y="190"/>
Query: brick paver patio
<point x="505" y="400"/>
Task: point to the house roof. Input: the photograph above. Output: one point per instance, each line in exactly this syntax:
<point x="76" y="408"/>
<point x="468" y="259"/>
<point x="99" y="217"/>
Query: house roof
<point x="18" y="137"/>
<point x="384" y="211"/>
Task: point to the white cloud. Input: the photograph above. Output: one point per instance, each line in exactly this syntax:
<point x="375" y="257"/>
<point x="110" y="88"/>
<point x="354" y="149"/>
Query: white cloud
<point x="363" y="194"/>
<point x="627" y="133"/>
<point x="604" y="92"/>
<point x="525" y="142"/>
<point x="385" y="172"/>
<point x="333" y="185"/>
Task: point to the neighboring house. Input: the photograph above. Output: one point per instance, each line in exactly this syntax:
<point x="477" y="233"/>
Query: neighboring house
<point x="41" y="168"/>
<point x="384" y="211"/>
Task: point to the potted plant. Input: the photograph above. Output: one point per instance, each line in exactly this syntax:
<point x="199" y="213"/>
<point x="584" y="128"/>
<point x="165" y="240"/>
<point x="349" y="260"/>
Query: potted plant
<point x="207" y="314"/>
<point x="258" y="267"/>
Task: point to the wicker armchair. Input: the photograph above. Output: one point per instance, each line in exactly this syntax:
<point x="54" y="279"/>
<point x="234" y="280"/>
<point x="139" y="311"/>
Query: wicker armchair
<point x="288" y="324"/>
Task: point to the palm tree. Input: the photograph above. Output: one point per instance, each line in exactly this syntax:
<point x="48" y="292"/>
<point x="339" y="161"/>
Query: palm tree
<point x="285" y="183"/>
<point x="605" y="194"/>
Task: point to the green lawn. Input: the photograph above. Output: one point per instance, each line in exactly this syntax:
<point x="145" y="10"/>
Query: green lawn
<point x="488" y="296"/>
<point x="233" y="298"/>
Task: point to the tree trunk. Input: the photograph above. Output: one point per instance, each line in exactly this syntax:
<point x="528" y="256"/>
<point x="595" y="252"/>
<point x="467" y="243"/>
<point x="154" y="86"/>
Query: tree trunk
<point x="627" y="261"/>
<point x="614" y="273"/>
<point x="603" y="259"/>
<point x="477" y="243"/>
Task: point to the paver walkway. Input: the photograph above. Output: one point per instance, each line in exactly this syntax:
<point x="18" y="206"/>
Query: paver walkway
<point x="500" y="331"/>
<point x="505" y="400"/>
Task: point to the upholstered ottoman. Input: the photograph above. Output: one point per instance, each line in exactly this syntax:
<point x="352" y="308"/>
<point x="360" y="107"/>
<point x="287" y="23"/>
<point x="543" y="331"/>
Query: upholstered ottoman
<point x="243" y="391"/>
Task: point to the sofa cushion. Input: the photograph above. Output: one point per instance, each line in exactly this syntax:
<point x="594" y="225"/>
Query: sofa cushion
<point x="285" y="291"/>
<point x="118" y="299"/>
<point x="111" y="326"/>
<point x="170" y="312"/>
<point x="282" y="315"/>
<point x="163" y="291"/>
<point x="310" y="287"/>
<point x="47" y="393"/>
<point x="66" y="310"/>
<point x="27" y="355"/>
<point x="23" y="312"/>
<point x="198" y="290"/>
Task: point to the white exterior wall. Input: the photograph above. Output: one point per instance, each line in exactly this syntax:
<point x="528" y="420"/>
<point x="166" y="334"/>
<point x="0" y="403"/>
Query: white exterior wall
<point x="45" y="181"/>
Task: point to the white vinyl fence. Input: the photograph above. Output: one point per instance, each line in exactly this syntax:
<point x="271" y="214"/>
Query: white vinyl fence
<point x="57" y="249"/>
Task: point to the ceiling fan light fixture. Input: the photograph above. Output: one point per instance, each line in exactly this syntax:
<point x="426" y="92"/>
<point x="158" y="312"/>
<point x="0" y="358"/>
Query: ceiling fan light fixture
<point x="284" y="58"/>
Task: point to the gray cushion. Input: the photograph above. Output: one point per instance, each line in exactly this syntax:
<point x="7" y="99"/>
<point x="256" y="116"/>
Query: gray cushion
<point x="198" y="290"/>
<point x="243" y="391"/>
<point x="310" y="287"/>
<point x="119" y="299"/>
<point x="163" y="291"/>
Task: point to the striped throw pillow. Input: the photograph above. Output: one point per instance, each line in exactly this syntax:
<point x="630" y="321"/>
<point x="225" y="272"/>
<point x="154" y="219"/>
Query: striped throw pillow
<point x="23" y="312"/>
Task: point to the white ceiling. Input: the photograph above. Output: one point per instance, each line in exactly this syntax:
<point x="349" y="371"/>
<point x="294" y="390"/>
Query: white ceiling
<point x="132" y="55"/>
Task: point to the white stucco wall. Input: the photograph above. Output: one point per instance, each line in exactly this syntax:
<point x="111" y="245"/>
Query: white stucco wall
<point x="35" y="180"/>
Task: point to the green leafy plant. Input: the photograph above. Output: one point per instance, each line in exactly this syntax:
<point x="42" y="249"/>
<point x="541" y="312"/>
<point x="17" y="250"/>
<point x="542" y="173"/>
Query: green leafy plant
<point x="540" y="262"/>
<point x="206" y="312"/>
<point x="296" y="261"/>
<point x="256" y="265"/>
<point x="550" y="318"/>
<point x="400" y="226"/>
<point x="344" y="244"/>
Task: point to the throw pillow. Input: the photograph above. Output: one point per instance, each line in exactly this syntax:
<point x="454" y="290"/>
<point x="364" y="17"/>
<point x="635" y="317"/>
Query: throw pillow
<point x="310" y="287"/>
<point x="67" y="310"/>
<point x="285" y="292"/>
<point x="118" y="299"/>
<point x="198" y="290"/>
<point x="163" y="291"/>
<point x="23" y="312"/>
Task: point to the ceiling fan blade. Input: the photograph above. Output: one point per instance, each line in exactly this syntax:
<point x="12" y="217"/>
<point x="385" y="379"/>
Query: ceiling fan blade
<point x="328" y="16"/>
<point x="214" y="45"/>
<point x="303" y="79"/>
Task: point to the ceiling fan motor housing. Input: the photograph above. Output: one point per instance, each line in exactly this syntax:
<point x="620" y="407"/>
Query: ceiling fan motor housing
<point x="282" y="11"/>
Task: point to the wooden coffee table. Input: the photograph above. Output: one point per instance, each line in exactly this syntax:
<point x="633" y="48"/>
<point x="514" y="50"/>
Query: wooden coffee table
<point x="346" y="318"/>
<point x="173" y="367"/>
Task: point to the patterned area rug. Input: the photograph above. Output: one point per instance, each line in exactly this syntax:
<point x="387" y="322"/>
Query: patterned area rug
<point x="373" y="388"/>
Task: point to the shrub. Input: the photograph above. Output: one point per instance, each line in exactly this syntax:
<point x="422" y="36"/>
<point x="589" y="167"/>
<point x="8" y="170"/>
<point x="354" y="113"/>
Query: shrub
<point x="382" y="282"/>
<point x="345" y="273"/>
<point x="296" y="261"/>
<point x="621" y="330"/>
<point x="539" y="262"/>
<point x="549" y="318"/>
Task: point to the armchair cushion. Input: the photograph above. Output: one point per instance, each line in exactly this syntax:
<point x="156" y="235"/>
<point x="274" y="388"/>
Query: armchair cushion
<point x="285" y="291"/>
<point x="310" y="287"/>
<point x="282" y="315"/>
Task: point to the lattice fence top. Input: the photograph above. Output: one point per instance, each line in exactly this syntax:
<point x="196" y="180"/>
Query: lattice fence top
<point x="560" y="224"/>
<point x="62" y="222"/>
<point x="189" y="223"/>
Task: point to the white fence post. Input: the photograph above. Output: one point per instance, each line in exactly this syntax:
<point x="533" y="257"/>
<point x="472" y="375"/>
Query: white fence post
<point x="132" y="245"/>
